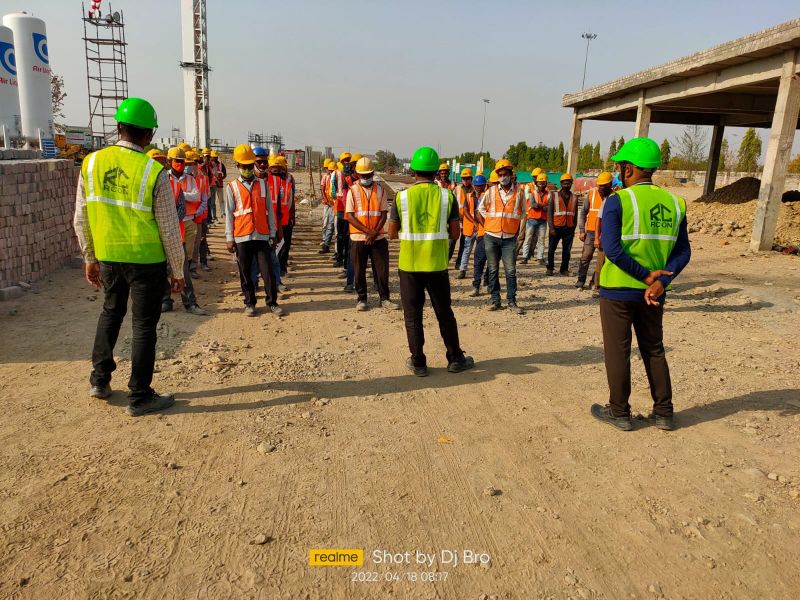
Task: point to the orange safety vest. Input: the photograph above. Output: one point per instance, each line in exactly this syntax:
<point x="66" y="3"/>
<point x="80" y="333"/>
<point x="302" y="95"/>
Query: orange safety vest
<point x="176" y="192"/>
<point x="462" y="196"/>
<point x="469" y="226"/>
<point x="537" y="213"/>
<point x="204" y="185"/>
<point x="595" y="202"/>
<point x="281" y="188"/>
<point x="250" y="213"/>
<point x="325" y="186"/>
<point x="564" y="214"/>
<point x="503" y="217"/>
<point x="367" y="204"/>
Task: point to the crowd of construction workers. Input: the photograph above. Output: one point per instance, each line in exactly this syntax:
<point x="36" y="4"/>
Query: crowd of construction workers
<point x="142" y="221"/>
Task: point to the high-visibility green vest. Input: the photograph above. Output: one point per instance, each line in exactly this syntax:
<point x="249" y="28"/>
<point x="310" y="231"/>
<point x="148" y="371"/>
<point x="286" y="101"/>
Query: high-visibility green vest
<point x="424" y="234"/>
<point x="651" y="219"/>
<point x="118" y="184"/>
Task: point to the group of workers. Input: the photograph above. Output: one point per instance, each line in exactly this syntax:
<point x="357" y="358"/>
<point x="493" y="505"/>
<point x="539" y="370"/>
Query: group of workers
<point x="133" y="219"/>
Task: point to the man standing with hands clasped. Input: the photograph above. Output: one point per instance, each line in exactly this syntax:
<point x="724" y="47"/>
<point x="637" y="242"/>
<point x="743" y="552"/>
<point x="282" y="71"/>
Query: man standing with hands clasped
<point x="646" y="245"/>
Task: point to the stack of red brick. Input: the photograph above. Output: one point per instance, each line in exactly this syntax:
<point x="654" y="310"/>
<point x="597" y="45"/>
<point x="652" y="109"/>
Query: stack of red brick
<point x="37" y="203"/>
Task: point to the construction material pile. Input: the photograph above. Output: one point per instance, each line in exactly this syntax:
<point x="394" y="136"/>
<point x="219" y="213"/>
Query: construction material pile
<point x="667" y="180"/>
<point x="736" y="220"/>
<point x="742" y="190"/>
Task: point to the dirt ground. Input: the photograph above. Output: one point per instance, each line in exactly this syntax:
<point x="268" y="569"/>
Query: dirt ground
<point x="307" y="432"/>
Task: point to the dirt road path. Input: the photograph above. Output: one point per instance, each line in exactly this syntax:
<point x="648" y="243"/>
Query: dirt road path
<point x="307" y="432"/>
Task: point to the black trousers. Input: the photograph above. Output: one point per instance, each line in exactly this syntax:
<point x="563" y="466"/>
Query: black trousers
<point x="283" y="256"/>
<point x="378" y="253"/>
<point x="413" y="286"/>
<point x="452" y="247"/>
<point x="203" y="233"/>
<point x="262" y="252"/>
<point x="188" y="296"/>
<point x="616" y="318"/>
<point x="342" y="238"/>
<point x="144" y="285"/>
<point x="565" y="235"/>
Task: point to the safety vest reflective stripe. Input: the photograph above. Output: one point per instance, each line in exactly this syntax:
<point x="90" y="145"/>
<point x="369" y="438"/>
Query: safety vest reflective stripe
<point x="568" y="210"/>
<point x="138" y="205"/>
<point x="595" y="202"/>
<point x="442" y="234"/>
<point x="498" y="218"/>
<point x="251" y="213"/>
<point x="636" y="223"/>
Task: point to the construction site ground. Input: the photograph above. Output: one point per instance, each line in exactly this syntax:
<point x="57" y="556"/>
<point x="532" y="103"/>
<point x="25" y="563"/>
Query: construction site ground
<point x="308" y="432"/>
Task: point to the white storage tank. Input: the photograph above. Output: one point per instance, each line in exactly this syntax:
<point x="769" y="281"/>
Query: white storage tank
<point x="9" y="91"/>
<point x="33" y="75"/>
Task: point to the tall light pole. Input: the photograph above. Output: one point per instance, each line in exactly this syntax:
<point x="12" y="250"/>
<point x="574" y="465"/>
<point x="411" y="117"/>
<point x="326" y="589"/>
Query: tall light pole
<point x="588" y="37"/>
<point x="483" y="131"/>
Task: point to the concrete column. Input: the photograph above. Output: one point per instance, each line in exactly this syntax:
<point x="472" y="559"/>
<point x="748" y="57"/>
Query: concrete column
<point x="779" y="148"/>
<point x="643" y="111"/>
<point x="713" y="159"/>
<point x="574" y="144"/>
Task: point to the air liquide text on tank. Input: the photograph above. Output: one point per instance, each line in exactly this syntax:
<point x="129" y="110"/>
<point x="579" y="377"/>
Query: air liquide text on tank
<point x="9" y="90"/>
<point x="33" y="75"/>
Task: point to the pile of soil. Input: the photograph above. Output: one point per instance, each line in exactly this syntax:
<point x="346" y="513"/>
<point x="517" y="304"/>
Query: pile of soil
<point x="735" y="219"/>
<point x="664" y="180"/>
<point x="743" y="190"/>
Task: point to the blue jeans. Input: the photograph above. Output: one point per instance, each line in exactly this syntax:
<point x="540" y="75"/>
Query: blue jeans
<point x="479" y="264"/>
<point x="468" y="243"/>
<point x="535" y="234"/>
<point x="497" y="248"/>
<point x="328" y="224"/>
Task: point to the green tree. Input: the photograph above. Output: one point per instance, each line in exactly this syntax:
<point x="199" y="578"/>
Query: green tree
<point x="597" y="162"/>
<point x="621" y="142"/>
<point x="385" y="160"/>
<point x="691" y="147"/>
<point x="666" y="152"/>
<point x="794" y="166"/>
<point x="57" y="95"/>
<point x="749" y="152"/>
<point x="612" y="150"/>
<point x="723" y="155"/>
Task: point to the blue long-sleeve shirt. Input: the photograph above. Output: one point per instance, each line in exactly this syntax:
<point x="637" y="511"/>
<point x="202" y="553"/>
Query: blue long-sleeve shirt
<point x="611" y="240"/>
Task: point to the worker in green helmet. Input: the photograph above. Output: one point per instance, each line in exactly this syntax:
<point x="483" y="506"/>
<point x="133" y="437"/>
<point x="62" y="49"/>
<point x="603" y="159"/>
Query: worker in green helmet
<point x="127" y="226"/>
<point x="646" y="245"/>
<point x="425" y="217"/>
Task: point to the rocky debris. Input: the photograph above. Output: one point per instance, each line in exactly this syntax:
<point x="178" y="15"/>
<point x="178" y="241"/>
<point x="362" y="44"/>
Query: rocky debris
<point x="260" y="540"/>
<point x="172" y="465"/>
<point x="735" y="220"/>
<point x="266" y="447"/>
<point x="491" y="491"/>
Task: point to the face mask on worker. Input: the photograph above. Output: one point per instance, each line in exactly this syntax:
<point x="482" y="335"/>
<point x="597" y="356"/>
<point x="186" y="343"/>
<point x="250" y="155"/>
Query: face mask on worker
<point x="178" y="166"/>
<point x="246" y="173"/>
<point x="505" y="180"/>
<point x="367" y="181"/>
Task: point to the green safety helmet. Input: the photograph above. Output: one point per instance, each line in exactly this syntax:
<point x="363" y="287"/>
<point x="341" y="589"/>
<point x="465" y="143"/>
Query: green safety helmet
<point x="425" y="159"/>
<point x="137" y="112"/>
<point x="641" y="152"/>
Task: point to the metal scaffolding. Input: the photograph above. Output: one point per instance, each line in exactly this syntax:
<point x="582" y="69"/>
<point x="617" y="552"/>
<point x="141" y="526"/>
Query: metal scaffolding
<point x="106" y="69"/>
<point x="272" y="141"/>
<point x="195" y="69"/>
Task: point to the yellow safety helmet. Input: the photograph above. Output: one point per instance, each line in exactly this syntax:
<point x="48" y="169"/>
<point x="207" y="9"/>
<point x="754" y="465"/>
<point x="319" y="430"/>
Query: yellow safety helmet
<point x="272" y="160"/>
<point x="345" y="156"/>
<point x="541" y="177"/>
<point x="339" y="166"/>
<point x="184" y="146"/>
<point x="604" y="178"/>
<point x="466" y="172"/>
<point x="195" y="149"/>
<point x="243" y="155"/>
<point x="326" y="162"/>
<point x="444" y="167"/>
<point x="281" y="161"/>
<point x="535" y="172"/>
<point x="331" y="166"/>
<point x="191" y="156"/>
<point x="503" y="164"/>
<point x="215" y="153"/>
<point x="155" y="153"/>
<point x="176" y="153"/>
<point x="565" y="177"/>
<point x="364" y="166"/>
<point x="493" y="178"/>
<point x="356" y="157"/>
<point x="206" y="151"/>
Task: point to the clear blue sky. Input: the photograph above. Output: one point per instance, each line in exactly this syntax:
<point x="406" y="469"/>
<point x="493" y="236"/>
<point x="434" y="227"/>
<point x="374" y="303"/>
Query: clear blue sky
<point x="396" y="75"/>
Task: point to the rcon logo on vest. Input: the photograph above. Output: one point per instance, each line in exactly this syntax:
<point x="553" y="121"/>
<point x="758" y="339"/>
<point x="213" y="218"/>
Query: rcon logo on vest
<point x="113" y="181"/>
<point x="660" y="216"/>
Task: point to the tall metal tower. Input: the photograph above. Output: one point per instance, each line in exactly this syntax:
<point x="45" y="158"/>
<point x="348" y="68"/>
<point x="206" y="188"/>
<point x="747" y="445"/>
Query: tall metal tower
<point x="106" y="68"/>
<point x="195" y="72"/>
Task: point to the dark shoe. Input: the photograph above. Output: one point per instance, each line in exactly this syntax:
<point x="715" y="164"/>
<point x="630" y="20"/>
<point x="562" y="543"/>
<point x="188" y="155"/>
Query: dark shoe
<point x="665" y="423"/>
<point x="325" y="250"/>
<point x="603" y="413"/>
<point x="338" y="263"/>
<point x="204" y="267"/>
<point x="516" y="309"/>
<point x="596" y="294"/>
<point x="166" y="307"/>
<point x="284" y="273"/>
<point x="550" y="272"/>
<point x="580" y="284"/>
<point x="462" y="275"/>
<point x="154" y="403"/>
<point x="277" y="310"/>
<point x="475" y="292"/>
<point x="196" y="310"/>
<point x="193" y="273"/>
<point x="542" y="262"/>
<point x="249" y="311"/>
<point x="457" y="366"/>
<point x="495" y="306"/>
<point x="349" y="288"/>
<point x="524" y="261"/>
<point x="564" y="273"/>
<point x="418" y="371"/>
<point x="101" y="392"/>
